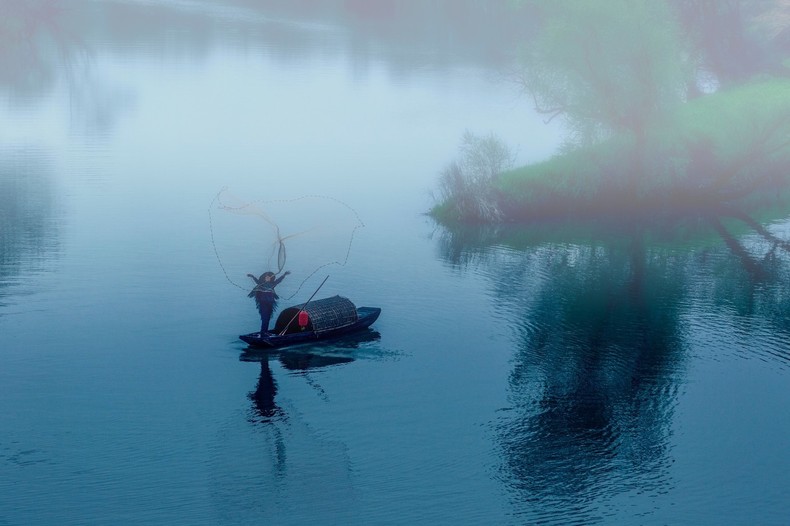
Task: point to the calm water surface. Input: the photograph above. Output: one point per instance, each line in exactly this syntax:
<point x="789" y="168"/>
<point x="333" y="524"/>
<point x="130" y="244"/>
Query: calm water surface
<point x="549" y="374"/>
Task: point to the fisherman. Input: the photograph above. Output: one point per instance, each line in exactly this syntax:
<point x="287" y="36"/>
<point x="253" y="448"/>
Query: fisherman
<point x="265" y="297"/>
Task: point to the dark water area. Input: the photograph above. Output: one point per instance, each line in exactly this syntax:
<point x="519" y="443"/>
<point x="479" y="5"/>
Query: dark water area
<point x="546" y="374"/>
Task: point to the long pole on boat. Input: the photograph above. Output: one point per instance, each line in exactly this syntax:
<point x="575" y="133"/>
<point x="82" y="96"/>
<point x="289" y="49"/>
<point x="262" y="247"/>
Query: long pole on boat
<point x="303" y="306"/>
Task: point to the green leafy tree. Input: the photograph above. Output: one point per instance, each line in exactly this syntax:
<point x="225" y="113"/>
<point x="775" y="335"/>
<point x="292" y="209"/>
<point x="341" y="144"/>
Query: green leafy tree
<point x="733" y="40"/>
<point x="605" y="66"/>
<point x="774" y="25"/>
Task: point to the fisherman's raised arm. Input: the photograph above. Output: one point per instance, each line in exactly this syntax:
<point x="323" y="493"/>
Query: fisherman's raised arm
<point x="278" y="280"/>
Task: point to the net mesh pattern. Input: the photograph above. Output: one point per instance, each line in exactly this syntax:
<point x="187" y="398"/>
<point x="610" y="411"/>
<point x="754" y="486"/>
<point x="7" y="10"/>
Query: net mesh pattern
<point x="324" y="314"/>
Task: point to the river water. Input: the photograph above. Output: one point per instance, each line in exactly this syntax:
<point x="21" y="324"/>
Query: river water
<point x="547" y="374"/>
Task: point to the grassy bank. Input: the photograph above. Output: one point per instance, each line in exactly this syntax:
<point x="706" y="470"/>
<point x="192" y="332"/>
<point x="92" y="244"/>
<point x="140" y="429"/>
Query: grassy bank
<point x="731" y="147"/>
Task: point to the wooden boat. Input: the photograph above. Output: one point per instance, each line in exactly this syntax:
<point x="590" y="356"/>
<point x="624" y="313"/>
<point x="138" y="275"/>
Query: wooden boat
<point x="315" y="321"/>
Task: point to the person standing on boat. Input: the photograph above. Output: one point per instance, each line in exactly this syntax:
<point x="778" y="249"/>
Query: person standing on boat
<point x="265" y="297"/>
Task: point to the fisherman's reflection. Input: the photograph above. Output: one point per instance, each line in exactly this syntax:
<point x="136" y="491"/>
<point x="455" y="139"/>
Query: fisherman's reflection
<point x="265" y="392"/>
<point x="263" y="397"/>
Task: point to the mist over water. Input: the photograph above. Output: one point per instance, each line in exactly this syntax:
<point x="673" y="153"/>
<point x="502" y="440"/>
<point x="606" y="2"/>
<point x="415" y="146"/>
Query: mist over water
<point x="552" y="373"/>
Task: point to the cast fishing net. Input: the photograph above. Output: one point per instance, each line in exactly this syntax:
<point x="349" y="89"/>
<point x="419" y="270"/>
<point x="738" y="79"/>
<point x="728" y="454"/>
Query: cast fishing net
<point x="305" y="235"/>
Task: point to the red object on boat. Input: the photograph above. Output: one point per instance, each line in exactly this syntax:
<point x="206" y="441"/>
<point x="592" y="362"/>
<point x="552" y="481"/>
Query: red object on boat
<point x="303" y="318"/>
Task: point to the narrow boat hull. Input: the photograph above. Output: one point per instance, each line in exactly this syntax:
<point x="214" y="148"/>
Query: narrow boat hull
<point x="365" y="318"/>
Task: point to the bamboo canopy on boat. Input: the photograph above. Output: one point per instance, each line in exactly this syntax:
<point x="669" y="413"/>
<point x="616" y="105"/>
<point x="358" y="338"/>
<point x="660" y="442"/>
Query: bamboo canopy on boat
<point x="323" y="314"/>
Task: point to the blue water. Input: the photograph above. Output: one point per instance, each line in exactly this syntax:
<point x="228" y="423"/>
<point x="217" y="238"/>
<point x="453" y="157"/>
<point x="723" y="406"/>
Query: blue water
<point x="551" y="374"/>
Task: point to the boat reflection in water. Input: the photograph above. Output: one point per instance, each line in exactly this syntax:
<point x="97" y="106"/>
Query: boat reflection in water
<point x="299" y="359"/>
<point x="279" y="449"/>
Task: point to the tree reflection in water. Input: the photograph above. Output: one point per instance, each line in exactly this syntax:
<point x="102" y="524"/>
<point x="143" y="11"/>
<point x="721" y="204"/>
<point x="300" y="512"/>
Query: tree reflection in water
<point x="601" y="323"/>
<point x="28" y="62"/>
<point x="44" y="43"/>
<point x="28" y="229"/>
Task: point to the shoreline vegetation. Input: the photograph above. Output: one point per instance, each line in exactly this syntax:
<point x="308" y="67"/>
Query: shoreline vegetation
<point x="723" y="154"/>
<point x="671" y="109"/>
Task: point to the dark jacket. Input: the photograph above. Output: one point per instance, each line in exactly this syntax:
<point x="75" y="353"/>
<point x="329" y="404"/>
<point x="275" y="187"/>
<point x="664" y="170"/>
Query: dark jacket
<point x="264" y="294"/>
